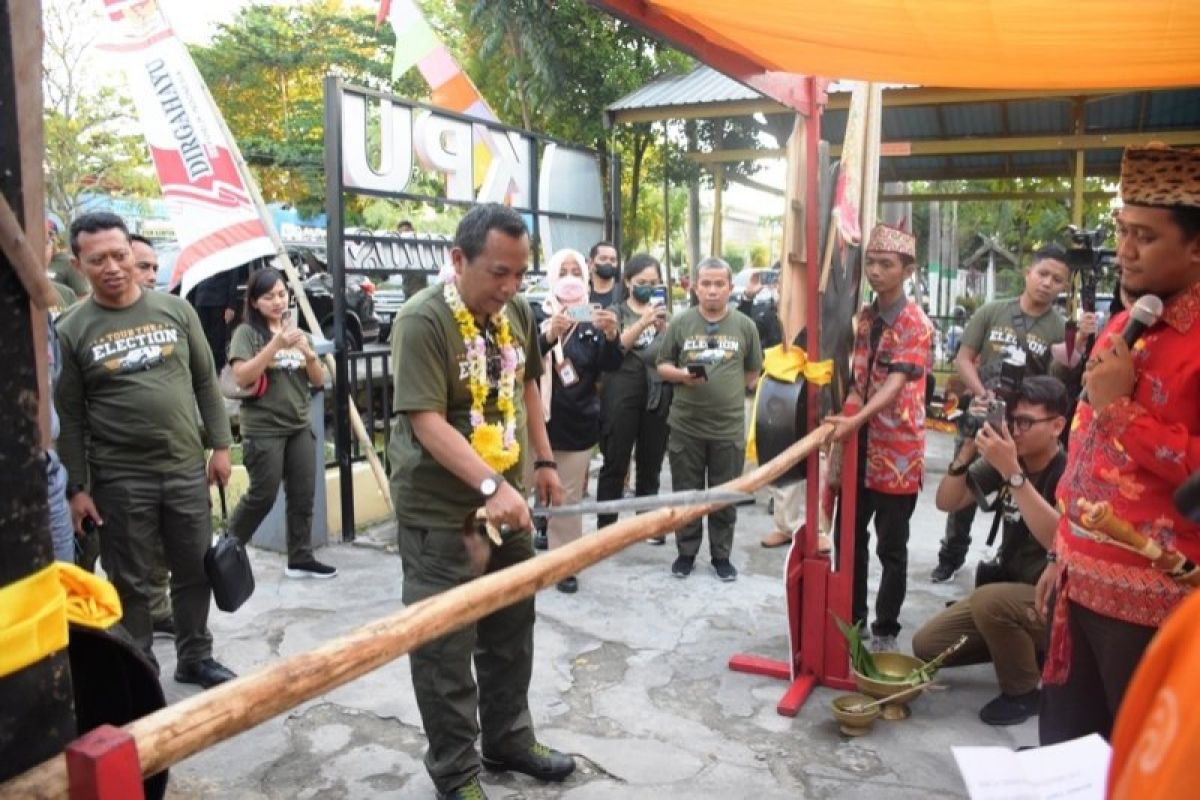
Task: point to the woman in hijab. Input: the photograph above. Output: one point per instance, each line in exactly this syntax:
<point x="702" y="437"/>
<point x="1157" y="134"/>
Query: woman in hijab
<point x="577" y="342"/>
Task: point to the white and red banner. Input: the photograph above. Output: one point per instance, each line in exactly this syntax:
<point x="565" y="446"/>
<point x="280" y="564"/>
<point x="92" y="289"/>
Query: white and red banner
<point x="215" y="217"/>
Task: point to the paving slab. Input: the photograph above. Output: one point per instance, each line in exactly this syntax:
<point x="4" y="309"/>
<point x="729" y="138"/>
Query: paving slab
<point x="630" y="675"/>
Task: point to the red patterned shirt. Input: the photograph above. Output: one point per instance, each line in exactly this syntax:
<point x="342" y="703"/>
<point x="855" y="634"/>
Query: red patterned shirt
<point x="1134" y="454"/>
<point x="896" y="435"/>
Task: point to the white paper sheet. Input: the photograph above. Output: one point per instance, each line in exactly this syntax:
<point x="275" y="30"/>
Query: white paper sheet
<point x="1074" y="770"/>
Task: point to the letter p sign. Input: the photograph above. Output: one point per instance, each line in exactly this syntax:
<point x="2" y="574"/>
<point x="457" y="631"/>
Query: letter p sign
<point x="444" y="145"/>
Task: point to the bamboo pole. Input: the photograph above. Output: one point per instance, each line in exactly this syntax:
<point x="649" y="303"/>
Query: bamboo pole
<point x="172" y="734"/>
<point x="314" y="325"/>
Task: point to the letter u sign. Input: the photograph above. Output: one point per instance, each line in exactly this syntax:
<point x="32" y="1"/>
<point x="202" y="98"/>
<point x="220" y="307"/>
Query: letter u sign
<point x="395" y="146"/>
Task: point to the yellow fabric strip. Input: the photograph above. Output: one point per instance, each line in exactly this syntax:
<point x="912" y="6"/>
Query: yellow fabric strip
<point x="787" y="366"/>
<point x="35" y="610"/>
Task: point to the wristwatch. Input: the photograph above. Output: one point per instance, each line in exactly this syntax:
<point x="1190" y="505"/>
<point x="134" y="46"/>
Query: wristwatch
<point x="1016" y="480"/>
<point x="490" y="485"/>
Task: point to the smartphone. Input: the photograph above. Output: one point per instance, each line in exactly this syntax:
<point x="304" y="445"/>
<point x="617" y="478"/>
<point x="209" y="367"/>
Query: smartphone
<point x="659" y="296"/>
<point x="697" y="371"/>
<point x="287" y="318"/>
<point x="996" y="413"/>
<point x="580" y="313"/>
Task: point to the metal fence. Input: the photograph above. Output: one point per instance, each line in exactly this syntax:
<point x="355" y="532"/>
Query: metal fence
<point x="371" y="388"/>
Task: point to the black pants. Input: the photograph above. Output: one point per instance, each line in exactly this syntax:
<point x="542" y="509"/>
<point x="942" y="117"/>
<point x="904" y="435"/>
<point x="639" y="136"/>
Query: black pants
<point x="891" y="513"/>
<point x="628" y="423"/>
<point x="1104" y="654"/>
<point x="216" y="331"/>
<point x="957" y="540"/>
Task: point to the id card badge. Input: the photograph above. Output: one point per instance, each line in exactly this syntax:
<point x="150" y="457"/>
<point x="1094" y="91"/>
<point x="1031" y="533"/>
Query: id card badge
<point x="567" y="373"/>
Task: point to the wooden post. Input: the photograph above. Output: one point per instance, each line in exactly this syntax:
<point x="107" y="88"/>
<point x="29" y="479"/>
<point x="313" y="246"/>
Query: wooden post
<point x="37" y="715"/>
<point x="176" y="732"/>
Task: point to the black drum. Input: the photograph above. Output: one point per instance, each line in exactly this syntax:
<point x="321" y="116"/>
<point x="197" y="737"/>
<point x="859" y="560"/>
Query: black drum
<point x="114" y="684"/>
<point x="781" y="419"/>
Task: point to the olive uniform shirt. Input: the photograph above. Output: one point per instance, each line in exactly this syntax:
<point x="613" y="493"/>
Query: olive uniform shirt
<point x="992" y="333"/>
<point x="131" y="381"/>
<point x="63" y="272"/>
<point x="430" y="374"/>
<point x="714" y="409"/>
<point x="283" y="409"/>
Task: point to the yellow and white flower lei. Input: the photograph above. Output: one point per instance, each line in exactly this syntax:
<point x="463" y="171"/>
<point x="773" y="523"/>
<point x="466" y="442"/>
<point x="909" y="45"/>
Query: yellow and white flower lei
<point x="495" y="442"/>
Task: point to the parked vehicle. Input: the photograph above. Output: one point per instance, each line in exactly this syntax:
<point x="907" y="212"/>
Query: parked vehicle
<point x="389" y="297"/>
<point x="362" y="323"/>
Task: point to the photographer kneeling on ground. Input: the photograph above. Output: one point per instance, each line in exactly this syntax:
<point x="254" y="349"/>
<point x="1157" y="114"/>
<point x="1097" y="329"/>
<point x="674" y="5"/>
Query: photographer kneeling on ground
<point x="999" y="617"/>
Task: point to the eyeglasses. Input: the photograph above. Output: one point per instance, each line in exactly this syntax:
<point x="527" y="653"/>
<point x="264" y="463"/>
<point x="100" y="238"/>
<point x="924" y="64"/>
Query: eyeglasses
<point x="1024" y="424"/>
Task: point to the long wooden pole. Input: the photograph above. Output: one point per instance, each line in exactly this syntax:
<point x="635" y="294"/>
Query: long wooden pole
<point x="178" y="731"/>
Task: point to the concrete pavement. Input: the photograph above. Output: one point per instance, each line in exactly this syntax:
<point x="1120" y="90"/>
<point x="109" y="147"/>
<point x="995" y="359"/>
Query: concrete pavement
<point x="630" y="676"/>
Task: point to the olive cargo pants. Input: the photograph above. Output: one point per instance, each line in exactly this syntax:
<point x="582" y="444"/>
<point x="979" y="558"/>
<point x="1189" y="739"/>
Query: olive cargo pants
<point x="142" y="513"/>
<point x="453" y="707"/>
<point x="270" y="460"/>
<point x="698" y="464"/>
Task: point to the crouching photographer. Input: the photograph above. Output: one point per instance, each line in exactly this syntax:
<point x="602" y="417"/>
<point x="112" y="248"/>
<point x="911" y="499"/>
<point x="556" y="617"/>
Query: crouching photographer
<point x="1017" y="472"/>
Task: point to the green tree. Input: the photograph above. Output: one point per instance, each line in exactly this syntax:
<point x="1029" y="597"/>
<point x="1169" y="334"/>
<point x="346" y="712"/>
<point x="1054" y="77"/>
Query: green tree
<point x="87" y="151"/>
<point x="266" y="69"/>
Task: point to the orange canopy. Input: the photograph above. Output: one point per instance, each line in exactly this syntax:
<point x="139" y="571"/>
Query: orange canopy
<point x="1000" y="44"/>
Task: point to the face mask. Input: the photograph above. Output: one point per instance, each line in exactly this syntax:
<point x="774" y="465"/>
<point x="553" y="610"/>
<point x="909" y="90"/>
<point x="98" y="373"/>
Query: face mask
<point x="606" y="271"/>
<point x="570" y="290"/>
<point x="642" y="294"/>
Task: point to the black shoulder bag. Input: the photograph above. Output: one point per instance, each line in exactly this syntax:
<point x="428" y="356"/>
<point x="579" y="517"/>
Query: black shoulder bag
<point x="227" y="566"/>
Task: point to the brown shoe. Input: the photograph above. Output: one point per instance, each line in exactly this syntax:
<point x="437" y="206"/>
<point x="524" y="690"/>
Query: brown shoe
<point x="776" y="539"/>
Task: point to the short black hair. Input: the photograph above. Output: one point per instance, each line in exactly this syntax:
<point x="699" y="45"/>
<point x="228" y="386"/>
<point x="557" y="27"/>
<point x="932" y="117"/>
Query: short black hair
<point x="1045" y="391"/>
<point x="639" y="262"/>
<point x="1188" y="220"/>
<point x="1049" y="251"/>
<point x="596" y="248"/>
<point x="137" y="237"/>
<point x="472" y="232"/>
<point x="405" y="224"/>
<point x="94" y="222"/>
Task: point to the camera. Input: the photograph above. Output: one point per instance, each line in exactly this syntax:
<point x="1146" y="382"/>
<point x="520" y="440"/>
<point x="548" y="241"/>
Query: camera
<point x="1084" y="249"/>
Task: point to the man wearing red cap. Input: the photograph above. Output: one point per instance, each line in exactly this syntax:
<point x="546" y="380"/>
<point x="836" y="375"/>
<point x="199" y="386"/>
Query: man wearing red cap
<point x="887" y="397"/>
<point x="1134" y="440"/>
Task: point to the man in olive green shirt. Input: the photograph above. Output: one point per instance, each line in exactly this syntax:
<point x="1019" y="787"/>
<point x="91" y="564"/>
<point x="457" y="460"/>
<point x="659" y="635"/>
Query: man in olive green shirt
<point x="134" y="367"/>
<point x="438" y="481"/>
<point x="713" y="355"/>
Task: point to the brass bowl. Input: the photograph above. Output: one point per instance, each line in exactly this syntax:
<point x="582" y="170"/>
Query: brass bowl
<point x="893" y="665"/>
<point x="854" y="723"/>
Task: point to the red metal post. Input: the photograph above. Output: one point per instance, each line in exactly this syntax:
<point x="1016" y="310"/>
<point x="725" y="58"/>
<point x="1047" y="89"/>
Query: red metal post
<point x="103" y="765"/>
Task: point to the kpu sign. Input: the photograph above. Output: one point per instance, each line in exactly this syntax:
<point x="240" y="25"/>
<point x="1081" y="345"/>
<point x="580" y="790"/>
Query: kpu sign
<point x="557" y="187"/>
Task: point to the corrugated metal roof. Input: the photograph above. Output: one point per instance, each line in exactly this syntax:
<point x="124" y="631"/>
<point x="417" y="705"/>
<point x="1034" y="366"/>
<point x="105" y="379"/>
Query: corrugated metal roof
<point x="907" y="121"/>
<point x="701" y="85"/>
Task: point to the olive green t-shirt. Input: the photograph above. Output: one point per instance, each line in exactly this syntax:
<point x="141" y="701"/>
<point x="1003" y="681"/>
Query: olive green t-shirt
<point x="714" y="409"/>
<point x="430" y="374"/>
<point x="630" y="377"/>
<point x="66" y="297"/>
<point x="131" y="381"/>
<point x="283" y="409"/>
<point x="62" y="272"/>
<point x="992" y="334"/>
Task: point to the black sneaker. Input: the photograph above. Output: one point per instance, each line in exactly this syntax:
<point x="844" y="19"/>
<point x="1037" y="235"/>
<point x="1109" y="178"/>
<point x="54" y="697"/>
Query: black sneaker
<point x="725" y="571"/>
<point x="943" y="573"/>
<point x="1007" y="709"/>
<point x="165" y="626"/>
<point x="656" y="540"/>
<point x="538" y="761"/>
<point x="310" y="569"/>
<point x="568" y="585"/>
<point x="471" y="790"/>
<point x="683" y="566"/>
<point x="207" y="672"/>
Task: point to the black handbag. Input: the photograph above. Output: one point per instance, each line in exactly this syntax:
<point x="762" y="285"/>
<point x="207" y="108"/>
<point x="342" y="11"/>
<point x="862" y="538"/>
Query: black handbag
<point x="228" y="568"/>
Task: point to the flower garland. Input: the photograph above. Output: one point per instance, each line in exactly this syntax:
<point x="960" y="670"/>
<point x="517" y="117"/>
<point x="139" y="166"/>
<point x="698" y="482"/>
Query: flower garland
<point x="495" y="442"/>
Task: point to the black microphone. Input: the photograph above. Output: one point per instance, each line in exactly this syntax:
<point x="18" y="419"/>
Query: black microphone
<point x="1187" y="498"/>
<point x="1143" y="315"/>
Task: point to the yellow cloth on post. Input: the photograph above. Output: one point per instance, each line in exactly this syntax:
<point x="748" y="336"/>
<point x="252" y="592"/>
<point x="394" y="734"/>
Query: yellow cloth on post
<point x="786" y="365"/>
<point x="35" y="610"/>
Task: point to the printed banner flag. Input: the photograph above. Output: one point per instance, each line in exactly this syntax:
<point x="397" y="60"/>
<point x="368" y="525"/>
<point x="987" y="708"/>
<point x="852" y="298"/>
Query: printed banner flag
<point x="848" y="194"/>
<point x="215" y="217"/>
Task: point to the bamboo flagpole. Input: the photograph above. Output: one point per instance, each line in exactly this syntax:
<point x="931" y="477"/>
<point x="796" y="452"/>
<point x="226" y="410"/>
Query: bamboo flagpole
<point x="172" y="734"/>
<point x="220" y="217"/>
